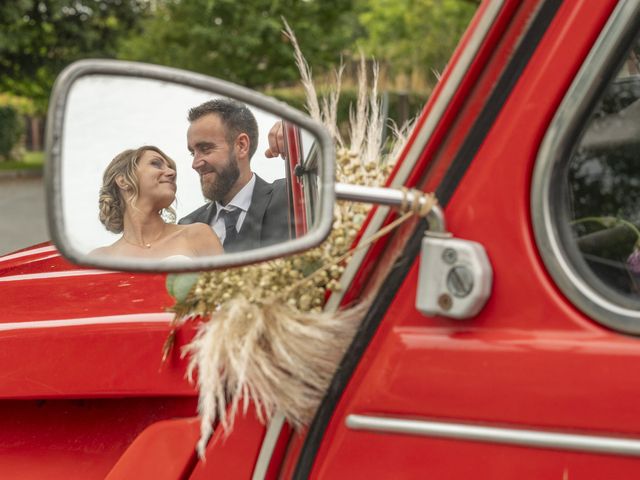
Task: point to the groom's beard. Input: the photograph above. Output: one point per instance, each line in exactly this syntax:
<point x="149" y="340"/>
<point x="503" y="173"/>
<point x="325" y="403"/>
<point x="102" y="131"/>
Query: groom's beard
<point x="218" y="187"/>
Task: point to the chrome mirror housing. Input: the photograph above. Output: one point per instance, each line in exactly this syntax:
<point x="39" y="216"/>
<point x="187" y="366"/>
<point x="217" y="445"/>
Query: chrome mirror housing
<point x="102" y="108"/>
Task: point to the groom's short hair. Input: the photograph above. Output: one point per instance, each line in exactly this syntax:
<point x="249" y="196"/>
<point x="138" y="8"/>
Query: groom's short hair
<point x="235" y="116"/>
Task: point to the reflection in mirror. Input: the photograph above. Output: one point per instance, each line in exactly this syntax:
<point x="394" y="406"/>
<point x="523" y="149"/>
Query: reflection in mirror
<point x="602" y="198"/>
<point x="152" y="169"/>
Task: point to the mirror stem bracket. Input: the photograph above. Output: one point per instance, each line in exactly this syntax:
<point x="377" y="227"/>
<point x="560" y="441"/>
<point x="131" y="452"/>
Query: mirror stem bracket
<point x="455" y="277"/>
<point x="392" y="197"/>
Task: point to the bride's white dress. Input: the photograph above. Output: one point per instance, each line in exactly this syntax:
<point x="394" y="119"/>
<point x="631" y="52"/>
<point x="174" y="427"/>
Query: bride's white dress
<point x="177" y="259"/>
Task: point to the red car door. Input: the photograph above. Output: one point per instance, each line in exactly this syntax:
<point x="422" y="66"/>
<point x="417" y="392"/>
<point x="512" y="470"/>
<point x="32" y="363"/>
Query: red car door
<point x="540" y="383"/>
<point x="516" y="141"/>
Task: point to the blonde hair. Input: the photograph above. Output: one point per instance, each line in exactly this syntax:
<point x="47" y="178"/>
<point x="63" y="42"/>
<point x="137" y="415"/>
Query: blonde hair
<point x="111" y="201"/>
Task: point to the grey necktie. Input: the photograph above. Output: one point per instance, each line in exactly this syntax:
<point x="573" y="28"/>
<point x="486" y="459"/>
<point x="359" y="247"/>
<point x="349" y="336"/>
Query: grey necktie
<point x="230" y="218"/>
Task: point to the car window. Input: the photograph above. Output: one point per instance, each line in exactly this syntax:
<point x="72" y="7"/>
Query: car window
<point x="602" y="189"/>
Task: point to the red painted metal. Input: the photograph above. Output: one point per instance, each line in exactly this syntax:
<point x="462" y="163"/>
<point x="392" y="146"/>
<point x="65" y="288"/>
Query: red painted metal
<point x="291" y="456"/>
<point x="529" y="359"/>
<point x="451" y="129"/>
<point x="233" y="456"/>
<point x="81" y="438"/>
<point x="44" y="286"/>
<point x="398" y="456"/>
<point x="72" y="332"/>
<point x="82" y="377"/>
<point x="294" y="157"/>
<point x="163" y="451"/>
<point x="279" y="452"/>
<point x="83" y="393"/>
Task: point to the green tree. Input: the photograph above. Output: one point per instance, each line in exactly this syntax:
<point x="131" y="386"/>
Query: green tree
<point x="10" y="130"/>
<point x="243" y="41"/>
<point x="38" y="38"/>
<point x="413" y="35"/>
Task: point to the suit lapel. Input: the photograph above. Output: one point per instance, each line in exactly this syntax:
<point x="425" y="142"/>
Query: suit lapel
<point x="210" y="213"/>
<point x="251" y="230"/>
<point x="205" y="214"/>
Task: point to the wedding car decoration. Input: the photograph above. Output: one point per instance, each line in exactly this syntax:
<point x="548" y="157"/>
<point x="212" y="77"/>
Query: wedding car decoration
<point x="264" y="338"/>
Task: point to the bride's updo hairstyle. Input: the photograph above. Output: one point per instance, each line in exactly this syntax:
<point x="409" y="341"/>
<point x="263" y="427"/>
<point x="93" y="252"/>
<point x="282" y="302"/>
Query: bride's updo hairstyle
<point x="112" y="203"/>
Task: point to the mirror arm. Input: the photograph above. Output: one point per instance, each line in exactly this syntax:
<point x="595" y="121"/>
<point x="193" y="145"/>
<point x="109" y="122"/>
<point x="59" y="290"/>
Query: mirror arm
<point x="392" y="197"/>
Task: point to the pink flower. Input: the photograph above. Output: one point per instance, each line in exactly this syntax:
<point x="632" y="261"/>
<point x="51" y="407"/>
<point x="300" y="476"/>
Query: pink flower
<point x="633" y="262"/>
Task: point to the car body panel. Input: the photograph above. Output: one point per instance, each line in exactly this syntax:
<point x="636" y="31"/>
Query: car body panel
<point x="83" y="389"/>
<point x="529" y="359"/>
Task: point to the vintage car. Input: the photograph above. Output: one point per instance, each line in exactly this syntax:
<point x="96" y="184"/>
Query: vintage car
<point x="499" y="335"/>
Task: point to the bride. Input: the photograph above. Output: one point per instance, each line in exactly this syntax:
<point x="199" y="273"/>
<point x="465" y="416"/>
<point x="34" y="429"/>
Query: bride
<point x="138" y="186"/>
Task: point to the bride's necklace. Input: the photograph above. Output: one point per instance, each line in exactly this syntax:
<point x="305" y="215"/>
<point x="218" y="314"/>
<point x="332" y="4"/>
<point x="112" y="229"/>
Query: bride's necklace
<point x="144" y="244"/>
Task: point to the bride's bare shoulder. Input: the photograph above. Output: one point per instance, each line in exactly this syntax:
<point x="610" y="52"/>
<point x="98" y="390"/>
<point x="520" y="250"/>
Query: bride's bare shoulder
<point x="202" y="238"/>
<point x="195" y="229"/>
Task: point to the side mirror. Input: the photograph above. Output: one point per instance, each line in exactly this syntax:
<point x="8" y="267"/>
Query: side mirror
<point x="101" y="108"/>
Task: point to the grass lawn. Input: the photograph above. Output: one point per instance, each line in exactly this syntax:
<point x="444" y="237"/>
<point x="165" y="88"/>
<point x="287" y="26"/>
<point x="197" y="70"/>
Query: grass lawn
<point x="32" y="160"/>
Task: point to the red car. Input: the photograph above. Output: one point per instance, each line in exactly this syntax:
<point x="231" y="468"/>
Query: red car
<point x="514" y="364"/>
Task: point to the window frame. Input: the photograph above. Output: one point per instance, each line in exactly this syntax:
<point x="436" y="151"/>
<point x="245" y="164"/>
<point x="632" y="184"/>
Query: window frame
<point x="552" y="233"/>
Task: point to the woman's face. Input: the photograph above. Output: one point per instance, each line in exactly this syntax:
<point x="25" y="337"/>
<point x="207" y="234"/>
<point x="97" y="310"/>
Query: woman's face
<point x="156" y="180"/>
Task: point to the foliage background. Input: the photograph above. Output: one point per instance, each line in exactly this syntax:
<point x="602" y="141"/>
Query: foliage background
<point x="39" y="38"/>
<point x="242" y="41"/>
<point x="237" y="41"/>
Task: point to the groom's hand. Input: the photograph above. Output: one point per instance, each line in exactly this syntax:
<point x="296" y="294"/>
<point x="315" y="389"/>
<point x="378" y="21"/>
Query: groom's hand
<point x="276" y="141"/>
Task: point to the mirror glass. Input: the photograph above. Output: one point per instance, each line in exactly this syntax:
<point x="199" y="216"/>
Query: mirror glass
<point x="162" y="175"/>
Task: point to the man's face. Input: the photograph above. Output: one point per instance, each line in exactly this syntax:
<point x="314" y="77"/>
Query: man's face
<point x="213" y="158"/>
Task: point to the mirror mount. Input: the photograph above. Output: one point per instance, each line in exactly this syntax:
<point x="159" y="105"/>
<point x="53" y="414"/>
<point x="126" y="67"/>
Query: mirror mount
<point x="75" y="129"/>
<point x="391" y="197"/>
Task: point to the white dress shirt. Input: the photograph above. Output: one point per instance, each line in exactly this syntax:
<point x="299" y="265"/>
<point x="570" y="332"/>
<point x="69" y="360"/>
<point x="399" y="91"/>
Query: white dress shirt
<point x="242" y="200"/>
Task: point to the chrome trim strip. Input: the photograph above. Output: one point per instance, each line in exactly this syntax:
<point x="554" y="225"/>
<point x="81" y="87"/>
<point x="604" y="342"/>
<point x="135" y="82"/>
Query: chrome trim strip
<point x="33" y="251"/>
<point x="417" y="146"/>
<point x="268" y="446"/>
<point x="161" y="318"/>
<point x="554" y="148"/>
<point x="378" y="195"/>
<point x="50" y="275"/>
<point x="505" y="436"/>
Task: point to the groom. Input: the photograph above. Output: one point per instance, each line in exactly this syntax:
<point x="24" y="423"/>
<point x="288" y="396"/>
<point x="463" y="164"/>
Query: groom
<point x="245" y="211"/>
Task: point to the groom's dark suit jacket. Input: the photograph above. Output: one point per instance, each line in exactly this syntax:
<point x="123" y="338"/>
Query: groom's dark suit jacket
<point x="266" y="222"/>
